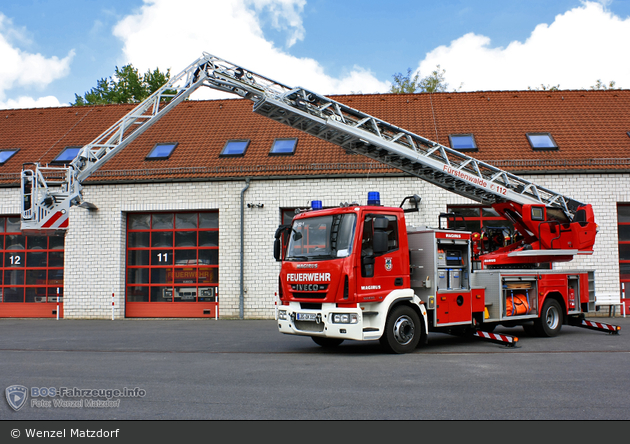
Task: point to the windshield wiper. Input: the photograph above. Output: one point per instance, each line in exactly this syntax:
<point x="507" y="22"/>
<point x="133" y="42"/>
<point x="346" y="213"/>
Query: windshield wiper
<point x="298" y="258"/>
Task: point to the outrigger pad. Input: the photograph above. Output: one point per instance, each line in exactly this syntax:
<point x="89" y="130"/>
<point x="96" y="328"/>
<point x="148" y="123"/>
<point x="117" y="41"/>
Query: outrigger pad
<point x="592" y="325"/>
<point x="507" y="340"/>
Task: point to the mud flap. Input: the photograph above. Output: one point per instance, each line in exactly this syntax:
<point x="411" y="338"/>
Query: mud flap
<point x="592" y="325"/>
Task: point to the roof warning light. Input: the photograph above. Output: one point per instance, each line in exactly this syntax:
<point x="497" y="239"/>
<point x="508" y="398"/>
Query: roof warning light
<point x="374" y="198"/>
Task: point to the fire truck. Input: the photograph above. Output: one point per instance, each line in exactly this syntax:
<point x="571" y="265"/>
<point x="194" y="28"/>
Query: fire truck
<point x="358" y="271"/>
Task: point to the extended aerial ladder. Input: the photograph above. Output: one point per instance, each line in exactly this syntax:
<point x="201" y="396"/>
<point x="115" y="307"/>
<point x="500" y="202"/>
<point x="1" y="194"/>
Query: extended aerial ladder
<point x="48" y="192"/>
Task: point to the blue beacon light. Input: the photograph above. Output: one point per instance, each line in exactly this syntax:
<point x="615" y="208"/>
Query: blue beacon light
<point x="316" y="205"/>
<point x="374" y="198"/>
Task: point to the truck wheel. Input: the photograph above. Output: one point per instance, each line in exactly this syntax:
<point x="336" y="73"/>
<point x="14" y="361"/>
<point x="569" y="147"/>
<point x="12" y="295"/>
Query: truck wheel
<point x="402" y="330"/>
<point x="326" y="342"/>
<point x="550" y="321"/>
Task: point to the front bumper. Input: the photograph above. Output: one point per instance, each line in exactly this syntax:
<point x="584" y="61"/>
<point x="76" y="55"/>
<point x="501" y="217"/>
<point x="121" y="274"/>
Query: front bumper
<point x="321" y="322"/>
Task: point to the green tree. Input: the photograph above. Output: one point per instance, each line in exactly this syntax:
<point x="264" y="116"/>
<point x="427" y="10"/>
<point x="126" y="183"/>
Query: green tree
<point x="125" y="86"/>
<point x="601" y="85"/>
<point x="545" y="87"/>
<point x="407" y="84"/>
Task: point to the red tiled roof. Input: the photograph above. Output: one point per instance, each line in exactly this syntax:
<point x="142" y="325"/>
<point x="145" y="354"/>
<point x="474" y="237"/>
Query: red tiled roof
<point x="590" y="128"/>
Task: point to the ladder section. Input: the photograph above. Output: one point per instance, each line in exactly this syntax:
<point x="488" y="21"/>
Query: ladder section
<point x="361" y="133"/>
<point x="128" y="128"/>
<point x="46" y="200"/>
<point x="301" y="109"/>
<point x="442" y="166"/>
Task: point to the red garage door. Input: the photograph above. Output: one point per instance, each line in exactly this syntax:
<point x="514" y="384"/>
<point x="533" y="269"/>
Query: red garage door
<point x="172" y="264"/>
<point x="31" y="284"/>
<point x="623" y="229"/>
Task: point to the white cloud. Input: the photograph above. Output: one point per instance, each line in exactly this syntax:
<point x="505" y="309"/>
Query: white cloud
<point x="22" y="69"/>
<point x="173" y="33"/>
<point x="29" y="102"/>
<point x="285" y="15"/>
<point x="580" y="46"/>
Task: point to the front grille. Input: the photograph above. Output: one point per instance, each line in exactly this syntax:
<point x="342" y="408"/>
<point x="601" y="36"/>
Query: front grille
<point x="309" y="326"/>
<point x="309" y="295"/>
<point x="310" y="306"/>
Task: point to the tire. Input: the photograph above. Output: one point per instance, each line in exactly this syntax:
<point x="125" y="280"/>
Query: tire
<point x="550" y="321"/>
<point x="402" y="330"/>
<point x="326" y="342"/>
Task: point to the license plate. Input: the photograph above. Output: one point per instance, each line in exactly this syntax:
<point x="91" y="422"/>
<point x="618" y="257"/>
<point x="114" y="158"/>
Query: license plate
<point x="307" y="316"/>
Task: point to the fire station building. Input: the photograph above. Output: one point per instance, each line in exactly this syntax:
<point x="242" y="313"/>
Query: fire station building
<point x="186" y="213"/>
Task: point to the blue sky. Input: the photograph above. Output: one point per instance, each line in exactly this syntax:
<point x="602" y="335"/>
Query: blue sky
<point x="52" y="49"/>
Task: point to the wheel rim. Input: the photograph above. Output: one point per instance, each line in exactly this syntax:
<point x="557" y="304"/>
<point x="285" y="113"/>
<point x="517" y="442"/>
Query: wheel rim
<point x="404" y="329"/>
<point x="552" y="317"/>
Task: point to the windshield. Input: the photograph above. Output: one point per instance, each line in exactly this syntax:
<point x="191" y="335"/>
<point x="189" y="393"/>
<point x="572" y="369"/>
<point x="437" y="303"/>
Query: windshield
<point x="323" y="237"/>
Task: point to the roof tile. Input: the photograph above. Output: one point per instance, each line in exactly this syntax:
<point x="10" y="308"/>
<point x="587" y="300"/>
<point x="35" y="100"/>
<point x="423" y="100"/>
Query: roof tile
<point x="590" y="128"/>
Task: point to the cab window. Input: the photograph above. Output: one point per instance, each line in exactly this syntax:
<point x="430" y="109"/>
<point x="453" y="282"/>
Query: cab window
<point x="368" y="233"/>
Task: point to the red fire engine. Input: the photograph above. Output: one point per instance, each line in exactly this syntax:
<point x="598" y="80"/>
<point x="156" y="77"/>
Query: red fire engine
<point x="357" y="271"/>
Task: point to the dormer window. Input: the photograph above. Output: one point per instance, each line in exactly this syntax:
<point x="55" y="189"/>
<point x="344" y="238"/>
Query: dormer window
<point x="161" y="151"/>
<point x="67" y="155"/>
<point x="5" y="155"/>
<point x="541" y="141"/>
<point x="462" y="141"/>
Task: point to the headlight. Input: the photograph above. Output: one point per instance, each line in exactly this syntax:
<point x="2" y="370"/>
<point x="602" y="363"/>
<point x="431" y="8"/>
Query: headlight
<point x="345" y="318"/>
<point x="282" y="315"/>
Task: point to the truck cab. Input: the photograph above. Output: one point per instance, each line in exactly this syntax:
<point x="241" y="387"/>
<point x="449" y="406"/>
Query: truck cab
<point x="343" y="269"/>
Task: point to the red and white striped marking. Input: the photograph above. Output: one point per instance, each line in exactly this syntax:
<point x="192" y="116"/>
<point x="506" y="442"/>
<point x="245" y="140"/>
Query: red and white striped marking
<point x="506" y="339"/>
<point x="57" y="220"/>
<point x="600" y="326"/>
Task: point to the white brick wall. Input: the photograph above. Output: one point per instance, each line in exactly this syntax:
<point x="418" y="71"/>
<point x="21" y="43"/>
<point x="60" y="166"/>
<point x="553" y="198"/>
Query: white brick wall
<point x="95" y="241"/>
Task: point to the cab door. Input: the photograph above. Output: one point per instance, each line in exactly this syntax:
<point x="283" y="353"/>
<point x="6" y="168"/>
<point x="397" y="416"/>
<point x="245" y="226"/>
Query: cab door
<point x="382" y="265"/>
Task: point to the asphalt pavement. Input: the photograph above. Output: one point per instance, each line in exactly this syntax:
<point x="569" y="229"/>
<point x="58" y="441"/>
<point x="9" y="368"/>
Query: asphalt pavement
<point x="246" y="370"/>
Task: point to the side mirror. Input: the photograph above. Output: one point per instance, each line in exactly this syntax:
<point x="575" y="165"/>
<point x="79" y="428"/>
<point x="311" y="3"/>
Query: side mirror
<point x="414" y="200"/>
<point x="277" y="246"/>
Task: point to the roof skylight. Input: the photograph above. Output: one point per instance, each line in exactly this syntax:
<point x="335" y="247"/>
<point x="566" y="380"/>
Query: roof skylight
<point x="235" y="148"/>
<point x="283" y="146"/>
<point x="6" y="155"/>
<point x="67" y="155"/>
<point x="161" y="151"/>
<point x="462" y="141"/>
<point x="541" y="141"/>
